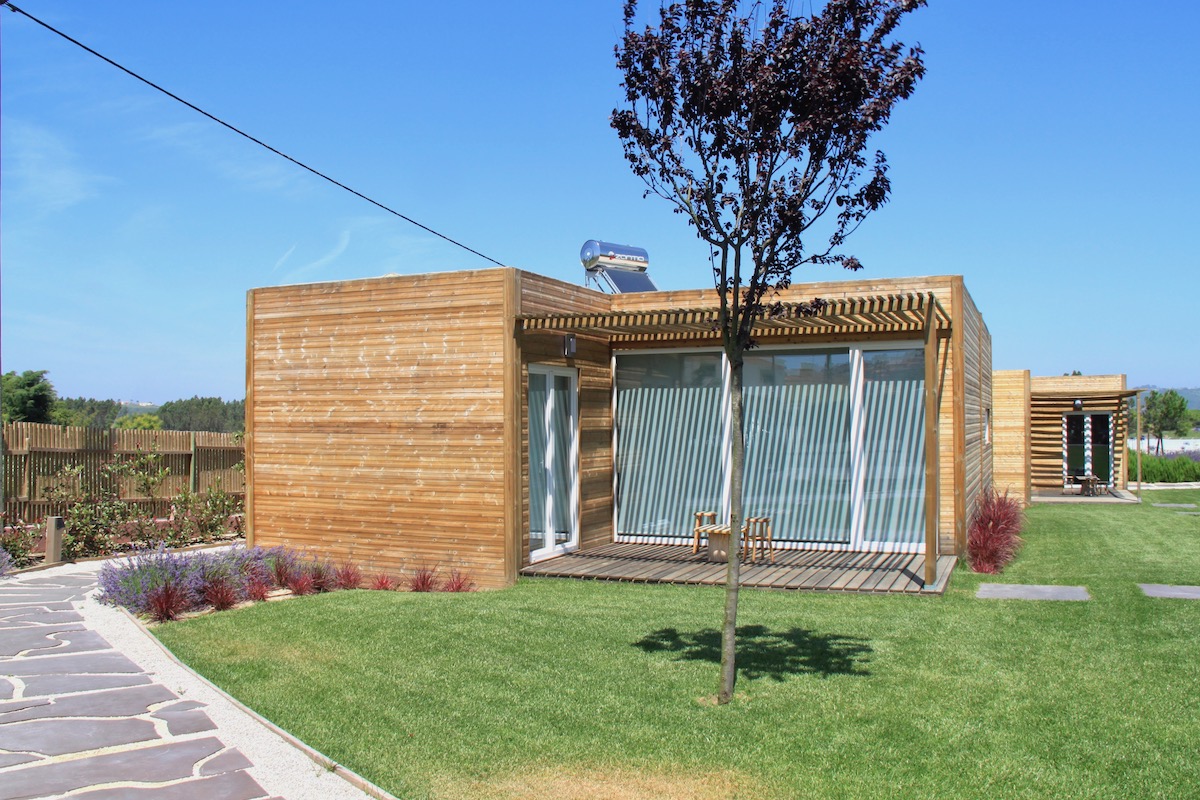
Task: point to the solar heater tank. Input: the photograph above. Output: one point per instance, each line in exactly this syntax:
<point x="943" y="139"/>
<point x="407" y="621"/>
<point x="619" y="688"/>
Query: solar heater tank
<point x="606" y="255"/>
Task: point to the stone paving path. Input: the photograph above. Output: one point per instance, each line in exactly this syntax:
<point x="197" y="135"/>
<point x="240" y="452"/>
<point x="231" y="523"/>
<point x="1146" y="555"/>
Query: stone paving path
<point x="79" y="719"/>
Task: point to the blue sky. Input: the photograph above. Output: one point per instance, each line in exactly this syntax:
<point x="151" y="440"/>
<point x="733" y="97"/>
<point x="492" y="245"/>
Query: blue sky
<point x="1048" y="156"/>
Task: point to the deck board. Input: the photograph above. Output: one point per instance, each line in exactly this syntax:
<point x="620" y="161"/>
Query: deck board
<point x="828" y="571"/>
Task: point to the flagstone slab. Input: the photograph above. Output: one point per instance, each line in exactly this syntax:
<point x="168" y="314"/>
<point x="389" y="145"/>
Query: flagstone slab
<point x="56" y="737"/>
<point x="12" y="759"/>
<point x="108" y="661"/>
<point x="1030" y="591"/>
<point x="43" y="685"/>
<point x="146" y="765"/>
<point x="128" y="701"/>
<point x="183" y="718"/>
<point x="1167" y="590"/>
<point x="34" y="617"/>
<point x="228" y="761"/>
<point x="229" y="786"/>
<point x="20" y="640"/>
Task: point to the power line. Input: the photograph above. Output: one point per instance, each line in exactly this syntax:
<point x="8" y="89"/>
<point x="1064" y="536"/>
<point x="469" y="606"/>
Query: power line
<point x="240" y="132"/>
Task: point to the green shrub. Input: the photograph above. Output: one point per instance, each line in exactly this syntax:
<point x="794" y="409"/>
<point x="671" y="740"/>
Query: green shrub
<point x="1181" y="468"/>
<point x="17" y="539"/>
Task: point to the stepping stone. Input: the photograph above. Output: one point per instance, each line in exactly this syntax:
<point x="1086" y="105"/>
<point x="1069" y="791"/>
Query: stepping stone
<point x="1188" y="513"/>
<point x="1173" y="505"/>
<point x="1166" y="590"/>
<point x="1029" y="591"/>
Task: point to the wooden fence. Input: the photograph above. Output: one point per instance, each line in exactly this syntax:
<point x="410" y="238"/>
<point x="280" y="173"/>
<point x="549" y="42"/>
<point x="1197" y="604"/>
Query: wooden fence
<point x="35" y="454"/>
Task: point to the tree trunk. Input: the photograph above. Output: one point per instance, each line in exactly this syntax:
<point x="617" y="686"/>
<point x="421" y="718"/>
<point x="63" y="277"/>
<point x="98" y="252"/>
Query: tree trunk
<point x="733" y="568"/>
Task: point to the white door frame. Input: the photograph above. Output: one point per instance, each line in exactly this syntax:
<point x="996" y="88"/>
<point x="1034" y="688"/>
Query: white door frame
<point x="552" y="549"/>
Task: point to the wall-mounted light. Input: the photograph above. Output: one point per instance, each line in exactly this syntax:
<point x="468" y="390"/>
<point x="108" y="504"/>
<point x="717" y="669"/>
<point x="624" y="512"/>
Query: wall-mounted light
<point x="1078" y="404"/>
<point x="568" y="346"/>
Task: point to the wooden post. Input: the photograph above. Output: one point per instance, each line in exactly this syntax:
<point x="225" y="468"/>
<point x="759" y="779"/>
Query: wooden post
<point x="54" y="536"/>
<point x="931" y="445"/>
<point x="193" y="473"/>
<point x="1139" y="445"/>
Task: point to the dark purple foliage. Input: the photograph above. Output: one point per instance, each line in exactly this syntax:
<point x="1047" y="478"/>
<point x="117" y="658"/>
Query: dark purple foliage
<point x="383" y="582"/>
<point x="257" y="589"/>
<point x="347" y="576"/>
<point x="167" y="602"/>
<point x="458" y="582"/>
<point x="323" y="575"/>
<point x="301" y="583"/>
<point x="220" y="593"/>
<point x="424" y="579"/>
<point x="993" y="537"/>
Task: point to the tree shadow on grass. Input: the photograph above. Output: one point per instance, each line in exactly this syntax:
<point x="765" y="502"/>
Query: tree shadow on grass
<point x="764" y="653"/>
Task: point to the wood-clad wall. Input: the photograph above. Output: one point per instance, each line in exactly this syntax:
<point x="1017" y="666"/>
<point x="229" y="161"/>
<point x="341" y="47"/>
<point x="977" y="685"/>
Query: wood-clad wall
<point x="1011" y="429"/>
<point x="1051" y="398"/>
<point x="540" y="295"/>
<point x="973" y="448"/>
<point x="376" y="421"/>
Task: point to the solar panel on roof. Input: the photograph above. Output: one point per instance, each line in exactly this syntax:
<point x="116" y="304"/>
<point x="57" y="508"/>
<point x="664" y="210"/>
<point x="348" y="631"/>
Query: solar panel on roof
<point x="628" y="282"/>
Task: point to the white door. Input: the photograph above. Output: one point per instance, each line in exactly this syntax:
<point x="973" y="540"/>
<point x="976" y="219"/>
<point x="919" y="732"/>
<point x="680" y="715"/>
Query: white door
<point x="553" y="462"/>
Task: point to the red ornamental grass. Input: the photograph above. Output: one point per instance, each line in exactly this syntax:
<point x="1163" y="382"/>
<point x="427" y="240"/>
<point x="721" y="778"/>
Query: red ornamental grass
<point x="281" y="571"/>
<point x="301" y="582"/>
<point x="458" y="582"/>
<point x="424" y="579"/>
<point x="347" y="576"/>
<point x="167" y="602"/>
<point x="220" y="594"/>
<point x="993" y="538"/>
<point x="257" y="589"/>
<point x="323" y="578"/>
<point x="383" y="582"/>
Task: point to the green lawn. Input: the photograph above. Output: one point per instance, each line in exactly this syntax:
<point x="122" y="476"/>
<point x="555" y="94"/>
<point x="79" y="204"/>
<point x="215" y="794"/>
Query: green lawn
<point x="571" y="689"/>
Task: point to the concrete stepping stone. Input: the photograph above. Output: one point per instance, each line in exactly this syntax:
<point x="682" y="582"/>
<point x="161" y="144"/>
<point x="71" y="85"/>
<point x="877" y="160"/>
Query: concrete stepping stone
<point x="1173" y="505"/>
<point x="1166" y="590"/>
<point x="1030" y="591"/>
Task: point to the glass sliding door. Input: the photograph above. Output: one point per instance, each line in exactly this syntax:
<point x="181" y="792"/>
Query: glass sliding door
<point x="797" y="427"/>
<point x="670" y="442"/>
<point x="1101" y="465"/>
<point x="553" y="462"/>
<point x="893" y="440"/>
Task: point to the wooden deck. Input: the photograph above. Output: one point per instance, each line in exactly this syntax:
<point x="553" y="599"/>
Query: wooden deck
<point x="793" y="569"/>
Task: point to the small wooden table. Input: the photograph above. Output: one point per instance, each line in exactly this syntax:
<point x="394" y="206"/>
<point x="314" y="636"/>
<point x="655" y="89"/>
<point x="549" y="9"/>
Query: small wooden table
<point x="756" y="532"/>
<point x="1089" y="485"/>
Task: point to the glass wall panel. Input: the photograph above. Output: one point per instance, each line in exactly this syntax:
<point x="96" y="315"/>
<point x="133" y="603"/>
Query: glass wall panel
<point x="538" y="477"/>
<point x="669" y="441"/>
<point x="1076" y="447"/>
<point x="1101" y="447"/>
<point x="894" y="446"/>
<point x="797" y="425"/>
<point x="561" y="427"/>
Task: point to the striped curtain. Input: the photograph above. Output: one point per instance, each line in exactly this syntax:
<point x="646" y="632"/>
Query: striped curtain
<point x="538" y="477"/>
<point x="894" y="446"/>
<point x="797" y="423"/>
<point x="669" y="441"/>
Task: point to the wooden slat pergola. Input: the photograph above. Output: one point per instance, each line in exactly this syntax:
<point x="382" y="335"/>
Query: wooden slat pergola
<point x="904" y="313"/>
<point x="917" y="314"/>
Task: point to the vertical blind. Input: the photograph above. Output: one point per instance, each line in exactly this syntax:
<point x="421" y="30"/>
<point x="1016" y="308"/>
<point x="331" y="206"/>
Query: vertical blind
<point x="800" y="410"/>
<point x="894" y="446"/>
<point x="669" y="441"/>
<point x="550" y="468"/>
<point x="797" y="426"/>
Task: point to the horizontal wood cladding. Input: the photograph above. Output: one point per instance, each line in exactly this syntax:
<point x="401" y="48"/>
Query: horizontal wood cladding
<point x="1011" y="438"/>
<point x="976" y="388"/>
<point x="1046" y="421"/>
<point x="1076" y="383"/>
<point x="378" y="421"/>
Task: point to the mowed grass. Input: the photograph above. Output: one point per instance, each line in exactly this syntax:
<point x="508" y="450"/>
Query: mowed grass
<point x="573" y="689"/>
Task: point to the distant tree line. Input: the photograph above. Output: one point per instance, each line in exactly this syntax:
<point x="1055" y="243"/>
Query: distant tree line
<point x="31" y="397"/>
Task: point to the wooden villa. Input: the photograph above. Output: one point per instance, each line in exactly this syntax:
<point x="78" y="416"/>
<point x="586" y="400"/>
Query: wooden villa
<point x="1060" y="434"/>
<point x="493" y="421"/>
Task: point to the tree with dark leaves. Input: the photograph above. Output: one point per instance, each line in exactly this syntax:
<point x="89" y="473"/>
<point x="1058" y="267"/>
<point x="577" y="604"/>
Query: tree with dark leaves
<point x="754" y="125"/>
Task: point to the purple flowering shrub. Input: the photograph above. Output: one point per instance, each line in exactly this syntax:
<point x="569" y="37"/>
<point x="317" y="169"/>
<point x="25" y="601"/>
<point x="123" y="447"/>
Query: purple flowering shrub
<point x="197" y="579"/>
<point x="6" y="563"/>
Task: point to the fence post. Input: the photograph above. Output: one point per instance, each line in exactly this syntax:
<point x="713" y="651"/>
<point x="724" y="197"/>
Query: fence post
<point x="54" y="536"/>
<point x="193" y="473"/>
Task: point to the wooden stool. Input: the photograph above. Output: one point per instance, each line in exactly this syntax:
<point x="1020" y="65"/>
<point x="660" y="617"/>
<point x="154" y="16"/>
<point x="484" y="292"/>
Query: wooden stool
<point x="757" y="533"/>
